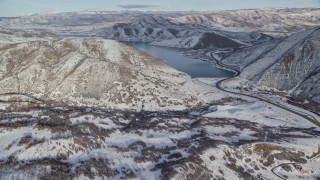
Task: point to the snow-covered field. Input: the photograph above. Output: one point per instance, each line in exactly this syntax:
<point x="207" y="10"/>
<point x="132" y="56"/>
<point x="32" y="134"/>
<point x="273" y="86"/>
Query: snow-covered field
<point x="230" y="138"/>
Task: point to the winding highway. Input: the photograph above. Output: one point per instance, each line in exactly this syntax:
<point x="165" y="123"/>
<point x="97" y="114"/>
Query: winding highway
<point x="307" y="116"/>
<point x="310" y="117"/>
<point x="302" y="114"/>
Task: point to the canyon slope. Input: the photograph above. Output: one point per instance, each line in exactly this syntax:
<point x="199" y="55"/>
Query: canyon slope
<point x="94" y="73"/>
<point x="290" y="65"/>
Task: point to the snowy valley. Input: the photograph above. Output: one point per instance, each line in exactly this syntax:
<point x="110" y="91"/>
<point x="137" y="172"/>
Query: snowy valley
<point x="92" y="107"/>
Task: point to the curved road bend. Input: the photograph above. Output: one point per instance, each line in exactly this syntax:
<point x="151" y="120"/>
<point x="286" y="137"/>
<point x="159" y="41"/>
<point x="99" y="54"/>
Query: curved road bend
<point x="302" y="114"/>
<point x="273" y="169"/>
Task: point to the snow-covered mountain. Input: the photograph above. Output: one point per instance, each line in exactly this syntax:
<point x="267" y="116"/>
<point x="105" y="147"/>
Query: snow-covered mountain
<point x="94" y="73"/>
<point x="175" y="29"/>
<point x="291" y="65"/>
<point x="262" y="20"/>
<point x="82" y="22"/>
<point x="163" y="32"/>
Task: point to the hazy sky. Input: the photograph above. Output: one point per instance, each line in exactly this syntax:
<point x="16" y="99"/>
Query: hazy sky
<point x="22" y="7"/>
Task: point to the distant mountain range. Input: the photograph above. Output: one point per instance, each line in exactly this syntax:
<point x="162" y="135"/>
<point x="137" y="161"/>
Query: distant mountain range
<point x="248" y="20"/>
<point x="262" y="20"/>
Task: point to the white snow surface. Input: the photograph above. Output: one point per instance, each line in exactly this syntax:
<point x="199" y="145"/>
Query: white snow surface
<point x="261" y="113"/>
<point x="98" y="73"/>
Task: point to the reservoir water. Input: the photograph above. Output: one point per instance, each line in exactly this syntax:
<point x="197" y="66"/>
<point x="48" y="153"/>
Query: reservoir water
<point x="172" y="56"/>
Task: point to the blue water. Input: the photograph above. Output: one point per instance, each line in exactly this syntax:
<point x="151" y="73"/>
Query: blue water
<point x="172" y="56"/>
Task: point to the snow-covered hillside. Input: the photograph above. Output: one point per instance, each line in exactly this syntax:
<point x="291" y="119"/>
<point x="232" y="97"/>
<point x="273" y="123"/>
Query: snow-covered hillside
<point x="262" y="20"/>
<point x="175" y="29"/>
<point x="232" y="138"/>
<point x="82" y="22"/>
<point x="95" y="73"/>
<point x="290" y="65"/>
<point x="161" y="31"/>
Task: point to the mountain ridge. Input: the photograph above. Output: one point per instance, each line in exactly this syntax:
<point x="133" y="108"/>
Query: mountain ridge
<point x="290" y="65"/>
<point x="95" y="73"/>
